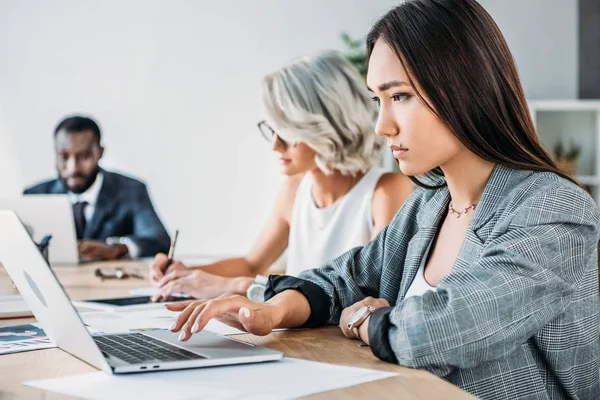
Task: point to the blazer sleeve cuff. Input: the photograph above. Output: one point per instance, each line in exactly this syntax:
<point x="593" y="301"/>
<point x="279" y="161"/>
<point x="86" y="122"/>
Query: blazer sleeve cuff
<point x="132" y="248"/>
<point x="379" y="325"/>
<point x="316" y="296"/>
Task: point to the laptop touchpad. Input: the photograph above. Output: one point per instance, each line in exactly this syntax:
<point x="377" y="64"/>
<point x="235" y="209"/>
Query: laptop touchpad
<point x="208" y="344"/>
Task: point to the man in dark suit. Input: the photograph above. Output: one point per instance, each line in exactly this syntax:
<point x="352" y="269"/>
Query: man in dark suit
<point x="114" y="216"/>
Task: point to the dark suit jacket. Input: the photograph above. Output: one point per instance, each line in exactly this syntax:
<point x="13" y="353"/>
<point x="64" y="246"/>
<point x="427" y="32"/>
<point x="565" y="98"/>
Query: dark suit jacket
<point x="123" y="209"/>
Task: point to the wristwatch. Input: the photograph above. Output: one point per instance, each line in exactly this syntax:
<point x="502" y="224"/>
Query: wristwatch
<point x="358" y="318"/>
<point x="256" y="290"/>
<point x="117" y="240"/>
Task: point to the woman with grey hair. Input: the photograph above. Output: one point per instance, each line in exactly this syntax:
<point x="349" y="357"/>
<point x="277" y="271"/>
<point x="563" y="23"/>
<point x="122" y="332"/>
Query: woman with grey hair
<point x="320" y="121"/>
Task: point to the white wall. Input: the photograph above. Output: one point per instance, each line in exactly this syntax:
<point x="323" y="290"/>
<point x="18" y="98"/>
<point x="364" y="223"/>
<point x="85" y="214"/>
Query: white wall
<point x="543" y="37"/>
<point x="175" y="84"/>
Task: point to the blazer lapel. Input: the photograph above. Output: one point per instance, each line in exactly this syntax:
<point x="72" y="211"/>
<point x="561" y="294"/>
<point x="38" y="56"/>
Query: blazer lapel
<point x="105" y="204"/>
<point x="428" y="220"/>
<point x="498" y="187"/>
<point x="57" y="187"/>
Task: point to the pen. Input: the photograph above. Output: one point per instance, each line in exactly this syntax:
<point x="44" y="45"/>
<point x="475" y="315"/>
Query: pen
<point x="172" y="248"/>
<point x="156" y="297"/>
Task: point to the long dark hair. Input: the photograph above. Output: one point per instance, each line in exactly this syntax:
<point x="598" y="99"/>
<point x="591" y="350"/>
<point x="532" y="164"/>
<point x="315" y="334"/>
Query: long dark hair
<point x="456" y="53"/>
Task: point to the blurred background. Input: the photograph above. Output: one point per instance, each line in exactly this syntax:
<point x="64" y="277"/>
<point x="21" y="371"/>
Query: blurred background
<point x="175" y="88"/>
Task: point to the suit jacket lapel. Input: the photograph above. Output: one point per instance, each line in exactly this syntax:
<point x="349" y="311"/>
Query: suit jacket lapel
<point x="429" y="220"/>
<point x="57" y="187"/>
<point x="105" y="204"/>
<point x="497" y="188"/>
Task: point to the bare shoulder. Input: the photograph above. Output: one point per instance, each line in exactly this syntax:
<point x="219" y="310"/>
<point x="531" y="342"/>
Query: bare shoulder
<point x="392" y="190"/>
<point x="393" y="184"/>
<point x="287" y="196"/>
<point x="292" y="182"/>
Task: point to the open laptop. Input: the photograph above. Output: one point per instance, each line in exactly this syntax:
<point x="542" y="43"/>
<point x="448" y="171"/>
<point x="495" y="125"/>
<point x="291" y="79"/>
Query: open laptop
<point x="48" y="215"/>
<point x="112" y="353"/>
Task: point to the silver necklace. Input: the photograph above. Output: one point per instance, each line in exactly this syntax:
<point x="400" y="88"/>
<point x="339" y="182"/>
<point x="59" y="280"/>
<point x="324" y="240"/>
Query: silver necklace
<point x="459" y="213"/>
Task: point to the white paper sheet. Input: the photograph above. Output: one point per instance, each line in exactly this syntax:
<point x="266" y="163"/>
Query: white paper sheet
<point x="289" y="378"/>
<point x="136" y="320"/>
<point x="98" y="385"/>
<point x="14" y="307"/>
<point x="90" y="305"/>
<point x="143" y="291"/>
<point x="151" y="291"/>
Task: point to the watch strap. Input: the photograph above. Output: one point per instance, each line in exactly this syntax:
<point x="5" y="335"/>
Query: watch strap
<point x="353" y="326"/>
<point x="261" y="280"/>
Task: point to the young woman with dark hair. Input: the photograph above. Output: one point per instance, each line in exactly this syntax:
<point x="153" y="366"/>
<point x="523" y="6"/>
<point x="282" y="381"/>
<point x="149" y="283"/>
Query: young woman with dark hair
<point x="487" y="276"/>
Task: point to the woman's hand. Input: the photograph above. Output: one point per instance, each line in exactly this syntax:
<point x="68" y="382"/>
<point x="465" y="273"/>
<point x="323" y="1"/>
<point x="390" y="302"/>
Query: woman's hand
<point x="199" y="284"/>
<point x="234" y="310"/>
<point x="349" y="311"/>
<point x="160" y="267"/>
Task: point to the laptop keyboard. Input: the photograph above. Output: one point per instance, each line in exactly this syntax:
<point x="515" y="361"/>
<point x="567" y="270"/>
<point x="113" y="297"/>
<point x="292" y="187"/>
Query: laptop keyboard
<point x="136" y="348"/>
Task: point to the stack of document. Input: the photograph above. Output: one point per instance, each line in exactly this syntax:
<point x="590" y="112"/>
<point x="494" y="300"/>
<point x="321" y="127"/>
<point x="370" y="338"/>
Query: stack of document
<point x="13" y="307"/>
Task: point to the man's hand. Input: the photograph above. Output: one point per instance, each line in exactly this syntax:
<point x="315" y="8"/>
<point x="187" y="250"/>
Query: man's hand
<point x="94" y="250"/>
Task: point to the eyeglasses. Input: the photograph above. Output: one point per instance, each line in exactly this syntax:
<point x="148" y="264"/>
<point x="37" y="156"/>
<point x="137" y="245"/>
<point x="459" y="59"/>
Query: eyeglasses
<point x="268" y="133"/>
<point x="118" y="273"/>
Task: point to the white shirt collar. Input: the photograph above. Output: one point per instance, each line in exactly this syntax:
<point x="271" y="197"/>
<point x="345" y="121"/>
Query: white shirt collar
<point x="91" y="195"/>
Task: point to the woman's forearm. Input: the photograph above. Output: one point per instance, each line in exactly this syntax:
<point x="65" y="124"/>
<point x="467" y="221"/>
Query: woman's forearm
<point x="231" y="267"/>
<point x="290" y="309"/>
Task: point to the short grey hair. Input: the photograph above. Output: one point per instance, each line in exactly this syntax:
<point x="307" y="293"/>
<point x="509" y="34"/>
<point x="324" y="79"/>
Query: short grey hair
<point x="321" y="100"/>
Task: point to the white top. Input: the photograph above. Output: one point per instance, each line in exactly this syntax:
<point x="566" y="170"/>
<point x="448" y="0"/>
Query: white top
<point x="419" y="285"/>
<point x="318" y="235"/>
<point x="90" y="196"/>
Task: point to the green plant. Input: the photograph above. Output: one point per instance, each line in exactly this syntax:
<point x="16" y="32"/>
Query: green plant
<point x="356" y="54"/>
<point x="563" y="153"/>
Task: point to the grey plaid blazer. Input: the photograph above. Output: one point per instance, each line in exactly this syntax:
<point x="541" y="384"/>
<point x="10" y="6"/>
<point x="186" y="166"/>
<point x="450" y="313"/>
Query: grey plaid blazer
<point x="516" y="318"/>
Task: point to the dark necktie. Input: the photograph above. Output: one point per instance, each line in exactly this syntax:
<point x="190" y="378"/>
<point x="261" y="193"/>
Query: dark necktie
<point x="79" y="214"/>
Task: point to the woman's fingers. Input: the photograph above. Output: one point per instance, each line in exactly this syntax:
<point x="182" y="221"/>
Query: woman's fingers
<point x="164" y="293"/>
<point x="382" y="303"/>
<point x="190" y="326"/>
<point x="218" y="307"/>
<point x="377" y="303"/>
<point x="179" y="306"/>
<point x="368" y="301"/>
<point x="183" y="318"/>
<point x="158" y="266"/>
<point x="172" y="275"/>
<point x="344" y="320"/>
<point x="236" y="311"/>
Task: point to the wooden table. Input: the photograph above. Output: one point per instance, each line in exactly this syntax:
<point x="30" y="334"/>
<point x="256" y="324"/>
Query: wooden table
<point x="324" y="344"/>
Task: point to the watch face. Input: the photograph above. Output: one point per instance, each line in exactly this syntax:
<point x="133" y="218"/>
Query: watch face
<point x="358" y="315"/>
<point x="256" y="293"/>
